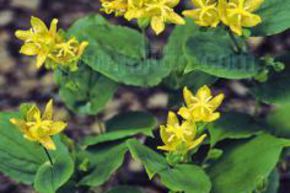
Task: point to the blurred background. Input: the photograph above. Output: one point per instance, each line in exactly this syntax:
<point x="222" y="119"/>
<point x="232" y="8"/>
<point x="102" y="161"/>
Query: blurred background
<point x="21" y="82"/>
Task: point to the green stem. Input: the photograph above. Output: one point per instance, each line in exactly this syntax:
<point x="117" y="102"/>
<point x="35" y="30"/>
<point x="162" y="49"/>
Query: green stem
<point x="48" y="156"/>
<point x="235" y="42"/>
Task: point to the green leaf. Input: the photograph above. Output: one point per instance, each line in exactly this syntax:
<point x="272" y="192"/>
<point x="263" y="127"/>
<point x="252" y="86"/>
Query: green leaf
<point x="19" y="157"/>
<point x="152" y="161"/>
<point x="123" y="126"/>
<point x="234" y="126"/>
<point x="187" y="178"/>
<point x="85" y="91"/>
<point x="276" y="90"/>
<point x="103" y="163"/>
<point x="125" y="189"/>
<point x="273" y="182"/>
<point x="50" y="178"/>
<point x="118" y="52"/>
<point x="275" y="16"/>
<point x="245" y="164"/>
<point x="215" y="56"/>
<point x="278" y="121"/>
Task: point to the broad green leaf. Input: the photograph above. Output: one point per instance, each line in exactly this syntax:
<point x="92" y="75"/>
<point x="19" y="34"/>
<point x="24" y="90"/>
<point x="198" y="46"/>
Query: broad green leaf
<point x="50" y="178"/>
<point x="125" y="189"/>
<point x="152" y="161"/>
<point x="124" y="125"/>
<point x="276" y="90"/>
<point x="103" y="162"/>
<point x="275" y="17"/>
<point x="85" y="91"/>
<point x="19" y="157"/>
<point x="187" y="178"/>
<point x="245" y="164"/>
<point x="215" y="56"/>
<point x="118" y="52"/>
<point x="278" y="120"/>
<point x="234" y="126"/>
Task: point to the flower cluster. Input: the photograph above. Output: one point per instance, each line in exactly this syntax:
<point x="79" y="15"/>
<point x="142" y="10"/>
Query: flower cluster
<point x="39" y="127"/>
<point x="199" y="108"/>
<point x="50" y="46"/>
<point x="158" y="12"/>
<point x="235" y="14"/>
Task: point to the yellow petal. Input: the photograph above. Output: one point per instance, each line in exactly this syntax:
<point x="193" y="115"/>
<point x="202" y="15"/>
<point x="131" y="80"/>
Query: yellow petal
<point x="188" y="96"/>
<point x="198" y="3"/>
<point x="82" y="48"/>
<point x="29" y="49"/>
<point x="172" y="17"/>
<point x="163" y="134"/>
<point x="53" y="26"/>
<point x="33" y="113"/>
<point x="20" y="124"/>
<point x="203" y="93"/>
<point x="48" y="143"/>
<point x="185" y="113"/>
<point x="172" y="3"/>
<point x="222" y="9"/>
<point x="48" y="111"/>
<point x="212" y="117"/>
<point x="23" y="35"/>
<point x="253" y="5"/>
<point x="194" y="14"/>
<point x="216" y="101"/>
<point x="189" y="127"/>
<point x="251" y="20"/>
<point x="41" y="57"/>
<point x="172" y="119"/>
<point x="157" y="25"/>
<point x="197" y="142"/>
<point x="57" y="127"/>
<point x="38" y="25"/>
<point x="166" y="148"/>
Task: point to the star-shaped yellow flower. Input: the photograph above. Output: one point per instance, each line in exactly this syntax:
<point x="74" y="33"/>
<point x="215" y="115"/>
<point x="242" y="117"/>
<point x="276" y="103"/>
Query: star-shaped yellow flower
<point x="206" y="13"/>
<point x="200" y="107"/>
<point x="179" y="137"/>
<point x="39" y="40"/>
<point x="39" y="128"/>
<point x="239" y="13"/>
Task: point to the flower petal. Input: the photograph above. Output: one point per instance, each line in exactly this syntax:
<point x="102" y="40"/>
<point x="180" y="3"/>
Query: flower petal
<point x="172" y="119"/>
<point x="197" y="141"/>
<point x="251" y="20"/>
<point x="38" y="25"/>
<point x="23" y="35"/>
<point x="203" y="93"/>
<point x="41" y="57"/>
<point x="57" y="127"/>
<point x="29" y="49"/>
<point x="157" y="25"/>
<point x="48" y="111"/>
<point x="194" y="14"/>
<point x="173" y="17"/>
<point x="53" y="26"/>
<point x="253" y="5"/>
<point x="48" y="143"/>
<point x="212" y="117"/>
<point x="188" y="96"/>
<point x="185" y="113"/>
<point x="33" y="113"/>
<point x="216" y="101"/>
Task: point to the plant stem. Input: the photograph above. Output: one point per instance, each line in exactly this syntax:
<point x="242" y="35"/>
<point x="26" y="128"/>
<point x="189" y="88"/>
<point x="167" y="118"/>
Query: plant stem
<point x="48" y="156"/>
<point x="235" y="41"/>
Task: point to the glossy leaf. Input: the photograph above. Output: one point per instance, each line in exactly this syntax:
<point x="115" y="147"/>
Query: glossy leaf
<point x="118" y="52"/>
<point x="244" y="165"/>
<point x="124" y="125"/>
<point x="234" y="126"/>
<point x="85" y="91"/>
<point x="275" y="17"/>
<point x="103" y="162"/>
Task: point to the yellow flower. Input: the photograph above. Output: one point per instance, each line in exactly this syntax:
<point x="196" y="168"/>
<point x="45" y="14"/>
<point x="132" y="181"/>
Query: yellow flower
<point x="178" y="137"/>
<point x="39" y="40"/>
<point x="206" y="13"/>
<point x="238" y="14"/>
<point x="202" y="106"/>
<point x="67" y="54"/>
<point x="119" y="7"/>
<point x="39" y="128"/>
